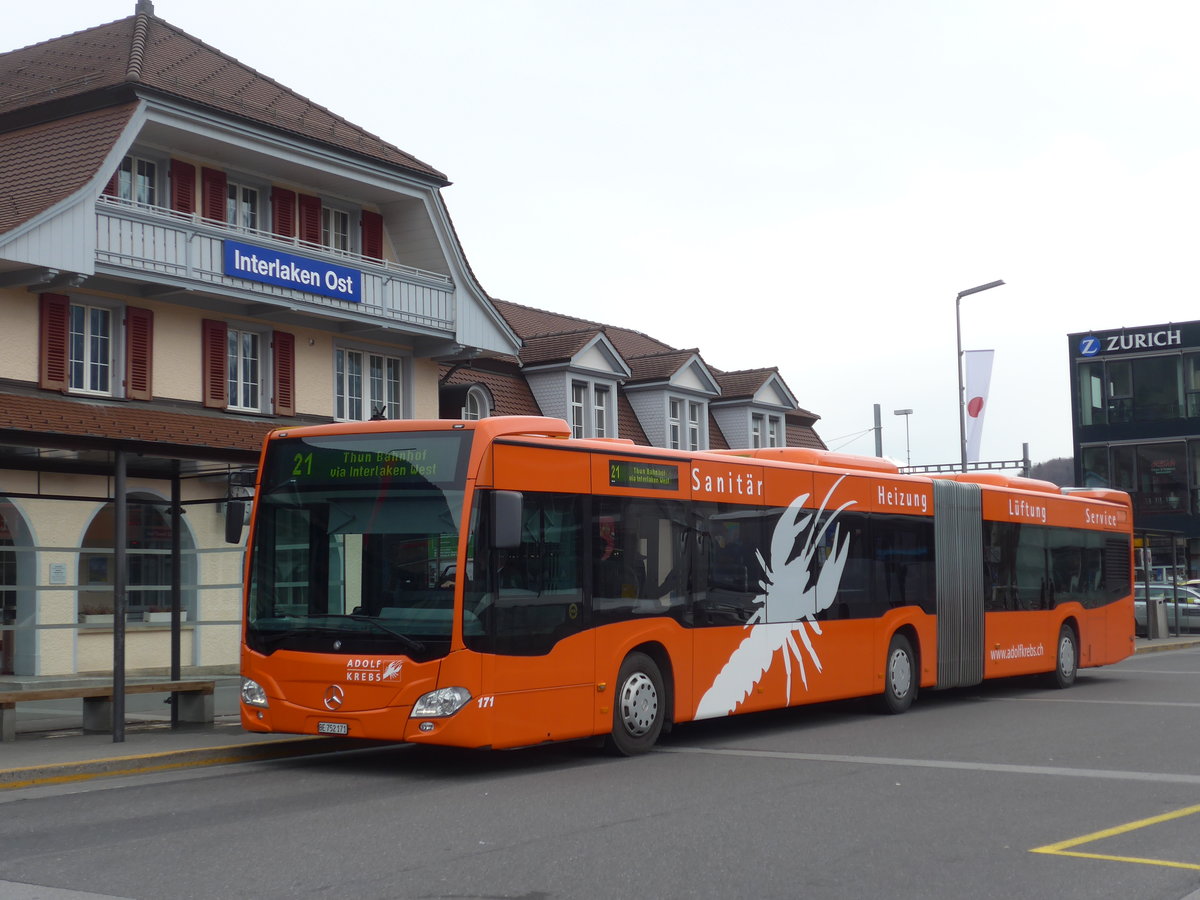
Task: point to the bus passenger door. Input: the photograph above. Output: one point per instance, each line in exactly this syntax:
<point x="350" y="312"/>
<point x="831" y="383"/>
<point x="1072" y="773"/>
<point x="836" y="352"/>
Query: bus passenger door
<point x="539" y="675"/>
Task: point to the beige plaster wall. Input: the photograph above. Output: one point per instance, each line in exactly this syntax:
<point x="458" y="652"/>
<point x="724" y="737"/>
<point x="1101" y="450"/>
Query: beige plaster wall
<point x="425" y="389"/>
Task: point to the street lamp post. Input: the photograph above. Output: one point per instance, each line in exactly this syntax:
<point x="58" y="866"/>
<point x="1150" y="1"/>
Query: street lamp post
<point x="962" y="409"/>
<point x="907" y="453"/>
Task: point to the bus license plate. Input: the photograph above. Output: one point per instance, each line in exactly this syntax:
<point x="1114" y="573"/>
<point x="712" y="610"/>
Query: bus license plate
<point x="333" y="728"/>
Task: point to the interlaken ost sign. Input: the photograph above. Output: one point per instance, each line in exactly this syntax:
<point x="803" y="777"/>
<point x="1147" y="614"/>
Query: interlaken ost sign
<point x="299" y="273"/>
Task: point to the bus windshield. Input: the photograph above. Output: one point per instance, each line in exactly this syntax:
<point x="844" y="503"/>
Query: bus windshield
<point x="355" y="543"/>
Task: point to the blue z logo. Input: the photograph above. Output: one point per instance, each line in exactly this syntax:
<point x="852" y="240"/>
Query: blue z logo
<point x="1089" y="346"/>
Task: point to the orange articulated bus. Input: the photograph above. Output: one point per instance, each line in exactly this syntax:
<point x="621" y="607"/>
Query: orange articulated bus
<point x="497" y="584"/>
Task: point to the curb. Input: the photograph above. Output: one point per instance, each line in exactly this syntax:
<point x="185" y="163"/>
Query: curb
<point x="1174" y="645"/>
<point x="66" y="773"/>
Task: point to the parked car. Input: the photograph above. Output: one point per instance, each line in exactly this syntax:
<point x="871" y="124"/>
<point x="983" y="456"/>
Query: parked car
<point x="1182" y="605"/>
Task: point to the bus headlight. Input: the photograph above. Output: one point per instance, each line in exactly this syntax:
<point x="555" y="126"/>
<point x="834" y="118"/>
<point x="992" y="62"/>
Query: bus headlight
<point x="253" y="694"/>
<point x="441" y="703"/>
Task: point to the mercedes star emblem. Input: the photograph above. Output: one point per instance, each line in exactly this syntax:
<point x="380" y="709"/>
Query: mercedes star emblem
<point x="334" y="695"/>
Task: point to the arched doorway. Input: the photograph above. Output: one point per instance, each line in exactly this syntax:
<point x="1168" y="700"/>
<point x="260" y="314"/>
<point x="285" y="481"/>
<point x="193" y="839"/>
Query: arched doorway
<point x="148" y="555"/>
<point x="18" y="640"/>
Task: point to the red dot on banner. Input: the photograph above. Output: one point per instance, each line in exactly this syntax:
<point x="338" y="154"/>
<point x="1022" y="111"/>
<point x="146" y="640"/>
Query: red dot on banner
<point x="975" y="407"/>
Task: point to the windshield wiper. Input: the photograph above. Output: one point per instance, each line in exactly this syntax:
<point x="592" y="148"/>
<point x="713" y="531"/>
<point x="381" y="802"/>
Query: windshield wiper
<point x="271" y="636"/>
<point x="411" y="643"/>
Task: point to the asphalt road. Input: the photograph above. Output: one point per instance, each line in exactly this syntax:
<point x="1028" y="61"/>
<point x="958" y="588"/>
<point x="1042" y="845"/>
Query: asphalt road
<point x="1007" y="790"/>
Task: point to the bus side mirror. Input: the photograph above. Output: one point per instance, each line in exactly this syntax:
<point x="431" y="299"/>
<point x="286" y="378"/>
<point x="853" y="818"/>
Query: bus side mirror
<point x="235" y="517"/>
<point x="506" y="519"/>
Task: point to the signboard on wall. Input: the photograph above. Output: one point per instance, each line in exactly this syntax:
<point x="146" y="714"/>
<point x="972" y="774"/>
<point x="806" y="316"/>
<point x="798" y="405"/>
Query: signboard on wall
<point x="1172" y="336"/>
<point x="299" y="273"/>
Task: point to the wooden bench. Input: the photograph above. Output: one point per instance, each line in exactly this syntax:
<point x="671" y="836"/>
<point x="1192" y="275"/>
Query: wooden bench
<point x="194" y="699"/>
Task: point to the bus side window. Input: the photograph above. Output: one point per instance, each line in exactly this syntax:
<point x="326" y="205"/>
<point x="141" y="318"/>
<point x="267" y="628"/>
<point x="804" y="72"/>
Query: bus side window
<point x="731" y="538"/>
<point x="536" y="585"/>
<point x="641" y="558"/>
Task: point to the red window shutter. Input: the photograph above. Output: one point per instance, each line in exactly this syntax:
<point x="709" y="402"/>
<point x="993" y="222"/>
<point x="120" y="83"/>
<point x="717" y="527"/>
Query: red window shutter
<point x="215" y="355"/>
<point x="213" y="182"/>
<point x="284" y="360"/>
<point x="372" y="235"/>
<point x="139" y="348"/>
<point x="55" y="326"/>
<point x="310" y="219"/>
<point x="110" y="189"/>
<point x="283" y="212"/>
<point x="183" y="187"/>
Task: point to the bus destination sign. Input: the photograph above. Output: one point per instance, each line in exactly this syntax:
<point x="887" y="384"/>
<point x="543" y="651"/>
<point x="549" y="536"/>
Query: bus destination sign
<point x="341" y="465"/>
<point x="630" y="474"/>
<point x="410" y="460"/>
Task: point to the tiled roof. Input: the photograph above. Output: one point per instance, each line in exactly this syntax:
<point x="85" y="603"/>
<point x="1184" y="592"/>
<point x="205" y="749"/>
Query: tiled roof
<point x="658" y="366"/>
<point x="46" y="416"/>
<point x="528" y="323"/>
<point x="41" y="165"/>
<point x="803" y="435"/>
<point x="735" y="385"/>
<point x="550" y="348"/>
<point x="510" y="392"/>
<point x="716" y="437"/>
<point x="628" y="425"/>
<point x="146" y="51"/>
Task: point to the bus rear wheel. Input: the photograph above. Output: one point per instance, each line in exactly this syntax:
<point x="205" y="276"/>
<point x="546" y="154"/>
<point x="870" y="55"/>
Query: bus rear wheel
<point x="900" y="678"/>
<point x="1066" y="659"/>
<point x="639" y="707"/>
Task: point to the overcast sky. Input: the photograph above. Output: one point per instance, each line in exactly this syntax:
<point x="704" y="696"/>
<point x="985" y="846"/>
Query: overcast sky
<point x="800" y="184"/>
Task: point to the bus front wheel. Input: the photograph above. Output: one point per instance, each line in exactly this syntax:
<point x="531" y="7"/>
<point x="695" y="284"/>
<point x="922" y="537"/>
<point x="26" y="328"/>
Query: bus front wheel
<point x="639" y="707"/>
<point x="900" y="676"/>
<point x="1066" y="659"/>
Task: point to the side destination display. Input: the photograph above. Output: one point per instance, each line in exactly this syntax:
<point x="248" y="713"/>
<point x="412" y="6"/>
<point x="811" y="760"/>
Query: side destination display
<point x="632" y="474"/>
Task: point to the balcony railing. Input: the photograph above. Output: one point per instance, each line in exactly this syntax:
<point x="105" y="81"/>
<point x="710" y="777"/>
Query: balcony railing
<point x="153" y="241"/>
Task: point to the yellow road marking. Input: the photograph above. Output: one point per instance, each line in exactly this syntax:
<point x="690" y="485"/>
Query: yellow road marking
<point x="1063" y="848"/>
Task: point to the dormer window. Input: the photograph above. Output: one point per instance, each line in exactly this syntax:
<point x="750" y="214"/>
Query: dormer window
<point x="601" y="408"/>
<point x="766" y="430"/>
<point x="478" y="404"/>
<point x="684" y="424"/>
<point x="592" y="410"/>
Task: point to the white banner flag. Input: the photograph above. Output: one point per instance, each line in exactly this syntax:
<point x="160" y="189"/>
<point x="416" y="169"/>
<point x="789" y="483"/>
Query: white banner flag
<point x="979" y="376"/>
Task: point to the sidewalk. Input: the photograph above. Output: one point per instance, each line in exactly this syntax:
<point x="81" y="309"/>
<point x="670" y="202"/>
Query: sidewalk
<point x="50" y="749"/>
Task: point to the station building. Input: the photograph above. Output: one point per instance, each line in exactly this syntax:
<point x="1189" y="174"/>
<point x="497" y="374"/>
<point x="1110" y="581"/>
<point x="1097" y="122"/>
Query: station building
<point x="1135" y="408"/>
<point x="192" y="254"/>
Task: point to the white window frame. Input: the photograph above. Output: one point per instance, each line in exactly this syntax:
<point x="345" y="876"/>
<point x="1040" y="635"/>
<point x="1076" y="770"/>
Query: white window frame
<point x="766" y="430"/>
<point x="237" y="371"/>
<point x="136" y="185"/>
<point x="695" y="425"/>
<point x="383" y="394"/>
<point x="593" y="409"/>
<point x="85" y="358"/>
<point x="674" y="423"/>
<point x="478" y="404"/>
<point x="330" y="213"/>
<point x="579" y="392"/>
<point x="602" y="410"/>
<point x="233" y="213"/>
